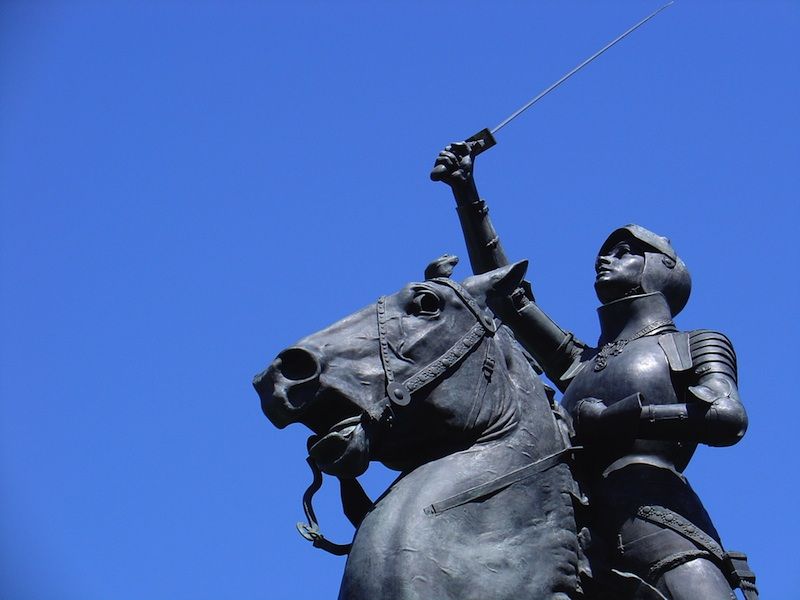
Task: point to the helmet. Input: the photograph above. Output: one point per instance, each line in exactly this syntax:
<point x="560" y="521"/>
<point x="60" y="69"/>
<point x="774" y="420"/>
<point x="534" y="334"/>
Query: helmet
<point x="663" y="271"/>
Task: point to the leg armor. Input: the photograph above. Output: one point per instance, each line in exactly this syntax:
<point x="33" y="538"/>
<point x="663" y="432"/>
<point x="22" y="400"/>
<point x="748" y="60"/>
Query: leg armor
<point x="680" y="559"/>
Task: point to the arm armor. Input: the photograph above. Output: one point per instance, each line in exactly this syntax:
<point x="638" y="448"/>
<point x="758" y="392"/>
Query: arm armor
<point x="715" y="376"/>
<point x="556" y="350"/>
<point x="485" y="251"/>
<point x="712" y="352"/>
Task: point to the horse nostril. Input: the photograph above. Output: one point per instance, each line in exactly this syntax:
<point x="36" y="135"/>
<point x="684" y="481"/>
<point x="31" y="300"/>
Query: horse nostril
<point x="297" y="364"/>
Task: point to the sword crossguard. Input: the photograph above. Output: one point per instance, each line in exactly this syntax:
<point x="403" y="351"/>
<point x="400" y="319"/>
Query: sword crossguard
<point x="481" y="141"/>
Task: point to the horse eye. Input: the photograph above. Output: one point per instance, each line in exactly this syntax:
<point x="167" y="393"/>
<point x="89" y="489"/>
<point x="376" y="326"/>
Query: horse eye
<point x="425" y="303"/>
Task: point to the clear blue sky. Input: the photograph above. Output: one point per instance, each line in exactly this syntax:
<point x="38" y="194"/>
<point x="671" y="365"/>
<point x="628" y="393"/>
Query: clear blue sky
<point x="188" y="187"/>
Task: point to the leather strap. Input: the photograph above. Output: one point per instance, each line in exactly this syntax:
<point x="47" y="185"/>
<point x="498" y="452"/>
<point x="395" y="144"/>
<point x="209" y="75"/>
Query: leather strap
<point x="672" y="520"/>
<point x="310" y="530"/>
<point x="499" y="483"/>
<point x="400" y="393"/>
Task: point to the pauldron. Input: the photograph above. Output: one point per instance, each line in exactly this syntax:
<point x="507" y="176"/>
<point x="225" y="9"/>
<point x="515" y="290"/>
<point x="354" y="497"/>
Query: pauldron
<point x="712" y="352"/>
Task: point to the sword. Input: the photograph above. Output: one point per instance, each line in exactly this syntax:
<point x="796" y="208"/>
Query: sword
<point x="484" y="139"/>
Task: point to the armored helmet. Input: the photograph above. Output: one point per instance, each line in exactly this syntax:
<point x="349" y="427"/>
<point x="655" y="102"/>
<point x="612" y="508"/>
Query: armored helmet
<point x="663" y="270"/>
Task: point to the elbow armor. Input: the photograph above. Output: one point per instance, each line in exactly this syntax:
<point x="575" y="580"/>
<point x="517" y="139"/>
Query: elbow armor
<point x="714" y="368"/>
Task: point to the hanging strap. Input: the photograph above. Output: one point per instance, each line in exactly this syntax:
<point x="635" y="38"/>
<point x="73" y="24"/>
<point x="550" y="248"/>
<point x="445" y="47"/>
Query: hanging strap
<point x="740" y="575"/>
<point x="310" y="530"/>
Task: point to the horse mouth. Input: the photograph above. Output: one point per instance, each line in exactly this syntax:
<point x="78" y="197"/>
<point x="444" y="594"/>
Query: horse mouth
<point x="343" y="450"/>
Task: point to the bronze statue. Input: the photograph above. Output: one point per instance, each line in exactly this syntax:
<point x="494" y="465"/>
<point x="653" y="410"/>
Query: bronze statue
<point x="640" y="403"/>
<point x="428" y="382"/>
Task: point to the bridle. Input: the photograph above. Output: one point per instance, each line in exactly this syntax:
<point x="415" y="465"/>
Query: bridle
<point x="400" y="394"/>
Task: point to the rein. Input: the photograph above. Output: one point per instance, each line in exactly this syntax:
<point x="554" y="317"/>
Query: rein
<point x="310" y="530"/>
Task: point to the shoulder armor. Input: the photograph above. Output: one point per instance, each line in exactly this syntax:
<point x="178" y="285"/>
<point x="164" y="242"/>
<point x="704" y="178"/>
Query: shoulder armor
<point x="712" y="352"/>
<point x="676" y="347"/>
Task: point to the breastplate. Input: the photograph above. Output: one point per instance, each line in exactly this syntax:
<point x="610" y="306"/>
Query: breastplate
<point x="641" y="367"/>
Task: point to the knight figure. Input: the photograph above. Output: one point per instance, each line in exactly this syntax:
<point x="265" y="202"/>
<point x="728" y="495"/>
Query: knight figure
<point x="640" y="402"/>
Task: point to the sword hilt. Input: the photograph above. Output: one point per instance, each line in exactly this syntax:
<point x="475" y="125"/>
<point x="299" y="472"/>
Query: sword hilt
<point x="483" y="140"/>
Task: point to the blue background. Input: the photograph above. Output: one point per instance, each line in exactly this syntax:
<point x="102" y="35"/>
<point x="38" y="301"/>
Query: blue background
<point x="189" y="187"/>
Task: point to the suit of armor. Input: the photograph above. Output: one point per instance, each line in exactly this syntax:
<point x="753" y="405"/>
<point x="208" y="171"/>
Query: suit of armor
<point x="639" y="413"/>
<point x="640" y="402"/>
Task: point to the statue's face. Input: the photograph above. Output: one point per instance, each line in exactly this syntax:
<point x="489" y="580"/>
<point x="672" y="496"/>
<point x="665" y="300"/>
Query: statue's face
<point x="619" y="271"/>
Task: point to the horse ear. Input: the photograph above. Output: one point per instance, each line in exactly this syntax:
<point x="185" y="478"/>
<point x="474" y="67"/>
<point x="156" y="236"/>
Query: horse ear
<point x="502" y="281"/>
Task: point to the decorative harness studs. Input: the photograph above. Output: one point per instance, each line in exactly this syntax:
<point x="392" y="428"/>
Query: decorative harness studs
<point x="396" y="393"/>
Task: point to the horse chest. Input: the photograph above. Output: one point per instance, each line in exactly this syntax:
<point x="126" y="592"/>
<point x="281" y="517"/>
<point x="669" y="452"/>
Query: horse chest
<point x="491" y="548"/>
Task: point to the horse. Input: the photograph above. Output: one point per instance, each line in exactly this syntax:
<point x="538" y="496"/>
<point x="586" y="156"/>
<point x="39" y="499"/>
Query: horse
<point x="430" y="383"/>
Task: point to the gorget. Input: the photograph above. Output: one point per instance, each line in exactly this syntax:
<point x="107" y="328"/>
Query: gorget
<point x="624" y="318"/>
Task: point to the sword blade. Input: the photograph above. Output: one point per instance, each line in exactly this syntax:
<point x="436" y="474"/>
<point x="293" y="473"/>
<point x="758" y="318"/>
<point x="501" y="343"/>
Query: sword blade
<point x="553" y="86"/>
<point x="484" y="139"/>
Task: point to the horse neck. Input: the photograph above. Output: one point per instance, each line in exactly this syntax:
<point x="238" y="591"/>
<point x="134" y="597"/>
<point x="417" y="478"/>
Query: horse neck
<point x="528" y="437"/>
<point x="462" y="470"/>
<point x="521" y="429"/>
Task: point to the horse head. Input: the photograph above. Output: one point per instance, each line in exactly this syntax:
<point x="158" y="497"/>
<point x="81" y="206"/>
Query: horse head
<point x="401" y="381"/>
<point x="429" y="383"/>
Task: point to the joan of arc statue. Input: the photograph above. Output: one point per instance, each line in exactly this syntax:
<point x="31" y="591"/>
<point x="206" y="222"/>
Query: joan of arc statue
<point x="640" y="402"/>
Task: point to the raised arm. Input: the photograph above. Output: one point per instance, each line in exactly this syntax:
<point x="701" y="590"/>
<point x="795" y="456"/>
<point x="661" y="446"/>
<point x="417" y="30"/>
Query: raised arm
<point x="483" y="245"/>
<point x="553" y="348"/>
<point x="556" y="350"/>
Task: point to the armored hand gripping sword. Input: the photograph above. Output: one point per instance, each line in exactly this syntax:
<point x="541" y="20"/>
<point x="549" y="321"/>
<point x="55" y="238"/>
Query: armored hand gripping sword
<point x="484" y="139"/>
